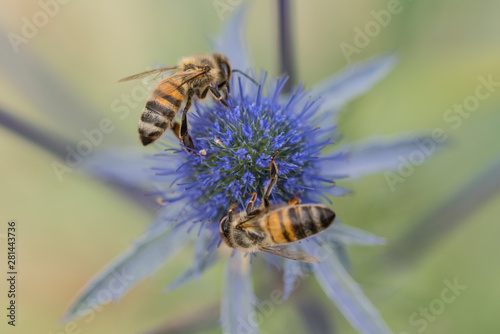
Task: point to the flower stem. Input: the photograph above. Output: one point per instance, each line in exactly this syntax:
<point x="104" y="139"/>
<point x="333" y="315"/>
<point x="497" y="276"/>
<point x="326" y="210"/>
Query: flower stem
<point x="287" y="60"/>
<point x="448" y="216"/>
<point x="57" y="146"/>
<point x="33" y="135"/>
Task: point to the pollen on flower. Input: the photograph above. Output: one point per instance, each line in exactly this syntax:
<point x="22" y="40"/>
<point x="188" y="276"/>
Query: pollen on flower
<point x="160" y="201"/>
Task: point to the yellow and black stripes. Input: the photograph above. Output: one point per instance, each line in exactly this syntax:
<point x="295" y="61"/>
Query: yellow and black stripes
<point x="326" y="216"/>
<point x="159" y="113"/>
<point x="298" y="229"/>
<point x="285" y="227"/>
<point x="297" y="222"/>
<point x="308" y="216"/>
<point x="176" y="101"/>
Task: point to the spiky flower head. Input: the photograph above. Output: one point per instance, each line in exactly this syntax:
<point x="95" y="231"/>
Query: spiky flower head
<point x="236" y="146"/>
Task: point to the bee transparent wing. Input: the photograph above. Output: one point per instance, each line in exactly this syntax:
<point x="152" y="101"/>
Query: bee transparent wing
<point x="170" y="84"/>
<point x="253" y="229"/>
<point x="148" y="73"/>
<point x="250" y="224"/>
<point x="291" y="254"/>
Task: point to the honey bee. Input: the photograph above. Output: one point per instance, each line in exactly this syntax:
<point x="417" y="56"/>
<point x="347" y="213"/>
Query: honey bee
<point x="194" y="76"/>
<point x="270" y="228"/>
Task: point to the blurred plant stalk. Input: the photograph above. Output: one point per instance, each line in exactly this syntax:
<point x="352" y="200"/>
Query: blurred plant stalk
<point x="287" y="57"/>
<point x="448" y="216"/>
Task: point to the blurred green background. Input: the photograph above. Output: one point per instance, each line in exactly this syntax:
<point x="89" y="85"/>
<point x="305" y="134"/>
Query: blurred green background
<point x="441" y="223"/>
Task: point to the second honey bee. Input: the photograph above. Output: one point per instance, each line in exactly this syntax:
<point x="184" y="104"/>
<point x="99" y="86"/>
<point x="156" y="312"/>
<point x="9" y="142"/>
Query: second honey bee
<point x="269" y="228"/>
<point x="194" y="76"/>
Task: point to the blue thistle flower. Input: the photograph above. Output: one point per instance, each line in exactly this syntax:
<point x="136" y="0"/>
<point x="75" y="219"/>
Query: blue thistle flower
<point x="235" y="146"/>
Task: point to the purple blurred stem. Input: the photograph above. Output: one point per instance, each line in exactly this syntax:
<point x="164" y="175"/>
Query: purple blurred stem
<point x="287" y="59"/>
<point x="56" y="146"/>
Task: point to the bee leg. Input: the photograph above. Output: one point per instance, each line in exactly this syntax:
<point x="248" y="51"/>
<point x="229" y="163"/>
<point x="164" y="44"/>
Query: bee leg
<point x="225" y="92"/>
<point x="249" y="207"/>
<point x="176" y="128"/>
<point x="188" y="141"/>
<point x="203" y="94"/>
<point x="273" y="170"/>
<point x="230" y="213"/>
<point x="184" y="125"/>
<point x="217" y="95"/>
<point x="294" y="200"/>
<point x="184" y="136"/>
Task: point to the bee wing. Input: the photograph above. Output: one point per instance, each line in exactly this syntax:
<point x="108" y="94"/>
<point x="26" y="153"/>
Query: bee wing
<point x="170" y="84"/>
<point x="291" y="254"/>
<point x="253" y="228"/>
<point x="148" y="73"/>
<point x="250" y="224"/>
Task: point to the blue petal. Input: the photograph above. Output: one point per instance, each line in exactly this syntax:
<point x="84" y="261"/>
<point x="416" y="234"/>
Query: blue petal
<point x="346" y="293"/>
<point x="294" y="271"/>
<point x="377" y="155"/>
<point x="205" y="257"/>
<point x="349" y="235"/>
<point x="337" y="234"/>
<point x="140" y="261"/>
<point x="123" y="165"/>
<point x="238" y="299"/>
<point x="230" y="41"/>
<point x="352" y="82"/>
<point x="191" y="273"/>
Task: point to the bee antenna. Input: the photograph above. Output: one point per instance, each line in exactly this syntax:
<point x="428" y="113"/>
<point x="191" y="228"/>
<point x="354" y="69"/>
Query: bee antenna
<point x="247" y="76"/>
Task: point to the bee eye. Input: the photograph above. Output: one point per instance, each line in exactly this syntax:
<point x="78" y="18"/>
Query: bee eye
<point x="224" y="225"/>
<point x="225" y="69"/>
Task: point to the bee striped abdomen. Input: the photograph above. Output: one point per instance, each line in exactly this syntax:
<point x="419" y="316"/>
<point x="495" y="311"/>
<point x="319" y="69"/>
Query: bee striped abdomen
<point x="297" y="222"/>
<point x="158" y="115"/>
<point x="279" y="228"/>
<point x="315" y="218"/>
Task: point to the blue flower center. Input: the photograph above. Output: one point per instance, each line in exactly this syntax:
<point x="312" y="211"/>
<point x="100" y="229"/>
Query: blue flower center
<point x="239" y="142"/>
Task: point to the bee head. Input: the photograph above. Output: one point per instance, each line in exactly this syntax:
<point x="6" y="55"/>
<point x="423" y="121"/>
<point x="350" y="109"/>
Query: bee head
<point x="224" y="228"/>
<point x="225" y="225"/>
<point x="225" y="67"/>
